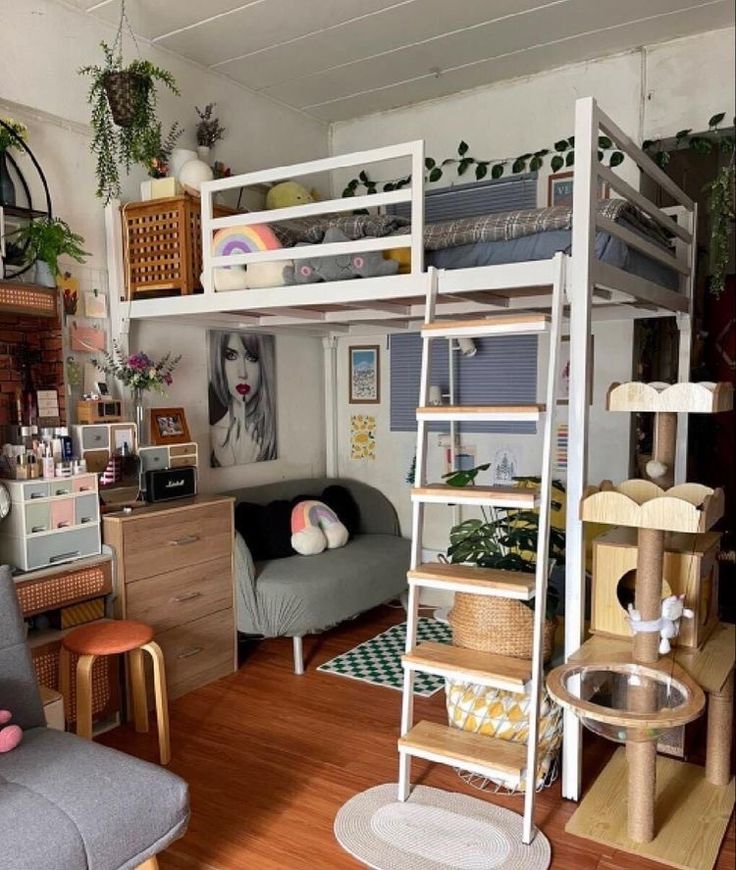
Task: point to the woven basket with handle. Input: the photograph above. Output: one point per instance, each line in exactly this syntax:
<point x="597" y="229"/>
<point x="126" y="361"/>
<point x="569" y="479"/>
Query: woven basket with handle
<point x="498" y="625"/>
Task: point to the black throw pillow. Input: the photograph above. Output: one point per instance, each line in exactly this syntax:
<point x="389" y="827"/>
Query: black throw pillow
<point x="341" y="500"/>
<point x="266" y="529"/>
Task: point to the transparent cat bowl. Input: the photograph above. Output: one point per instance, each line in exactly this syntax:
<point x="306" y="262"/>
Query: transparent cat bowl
<point x="627" y="702"/>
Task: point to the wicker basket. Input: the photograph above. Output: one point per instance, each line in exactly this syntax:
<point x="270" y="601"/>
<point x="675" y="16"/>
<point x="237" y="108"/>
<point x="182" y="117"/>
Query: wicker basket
<point x="124" y="92"/>
<point x="162" y="245"/>
<point x="498" y="625"/>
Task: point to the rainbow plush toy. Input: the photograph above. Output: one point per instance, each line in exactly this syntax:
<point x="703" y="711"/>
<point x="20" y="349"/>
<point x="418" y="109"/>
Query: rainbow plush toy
<point x="246" y="239"/>
<point x="315" y="527"/>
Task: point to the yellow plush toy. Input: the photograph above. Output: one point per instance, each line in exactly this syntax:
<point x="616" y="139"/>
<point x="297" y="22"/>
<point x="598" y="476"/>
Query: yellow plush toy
<point x="286" y="194"/>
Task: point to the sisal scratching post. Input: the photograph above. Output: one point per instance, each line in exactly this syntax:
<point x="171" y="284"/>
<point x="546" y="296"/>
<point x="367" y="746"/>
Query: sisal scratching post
<point x="665" y="441"/>
<point x="648" y="593"/>
<point x="720" y="723"/>
<point x="642" y="758"/>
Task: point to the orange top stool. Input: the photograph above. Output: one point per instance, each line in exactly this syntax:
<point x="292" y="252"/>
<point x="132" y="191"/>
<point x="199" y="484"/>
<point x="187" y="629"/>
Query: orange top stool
<point x="117" y="637"/>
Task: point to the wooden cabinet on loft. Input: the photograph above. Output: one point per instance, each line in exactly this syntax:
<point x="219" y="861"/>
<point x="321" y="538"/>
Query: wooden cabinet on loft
<point x="174" y="572"/>
<point x="162" y="245"/>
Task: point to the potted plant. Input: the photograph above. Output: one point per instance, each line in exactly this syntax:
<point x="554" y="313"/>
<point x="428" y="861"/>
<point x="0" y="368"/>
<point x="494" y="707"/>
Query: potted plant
<point x="209" y="130"/>
<point x="46" y="239"/>
<point x="123" y="100"/>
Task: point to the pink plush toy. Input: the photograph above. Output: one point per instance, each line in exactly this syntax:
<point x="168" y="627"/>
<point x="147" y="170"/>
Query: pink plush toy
<point x="10" y="735"/>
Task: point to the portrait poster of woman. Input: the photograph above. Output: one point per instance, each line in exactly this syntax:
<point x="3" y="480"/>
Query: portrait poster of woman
<point x="242" y="398"/>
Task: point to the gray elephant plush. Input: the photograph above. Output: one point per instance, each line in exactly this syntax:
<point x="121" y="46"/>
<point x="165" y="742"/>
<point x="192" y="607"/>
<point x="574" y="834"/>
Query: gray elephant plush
<point x="341" y="267"/>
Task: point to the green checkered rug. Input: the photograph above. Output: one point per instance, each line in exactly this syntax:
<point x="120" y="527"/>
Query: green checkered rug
<point x="378" y="660"/>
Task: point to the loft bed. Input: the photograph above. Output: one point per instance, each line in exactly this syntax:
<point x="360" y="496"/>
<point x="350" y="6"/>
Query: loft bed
<point x="595" y="288"/>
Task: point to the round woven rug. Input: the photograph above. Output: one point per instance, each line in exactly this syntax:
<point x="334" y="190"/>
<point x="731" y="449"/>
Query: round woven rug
<point x="435" y="830"/>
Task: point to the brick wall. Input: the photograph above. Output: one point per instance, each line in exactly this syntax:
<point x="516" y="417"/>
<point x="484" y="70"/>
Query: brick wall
<point x="40" y="333"/>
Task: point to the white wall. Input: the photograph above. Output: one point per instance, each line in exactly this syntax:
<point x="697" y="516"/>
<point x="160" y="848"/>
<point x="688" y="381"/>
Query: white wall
<point x="43" y="45"/>
<point x="652" y="92"/>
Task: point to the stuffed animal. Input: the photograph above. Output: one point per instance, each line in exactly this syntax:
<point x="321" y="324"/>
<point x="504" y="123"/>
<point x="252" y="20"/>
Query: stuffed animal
<point x="288" y="193"/>
<point x="340" y="267"/>
<point x="10" y="735"/>
<point x="668" y="624"/>
<point x="315" y="527"/>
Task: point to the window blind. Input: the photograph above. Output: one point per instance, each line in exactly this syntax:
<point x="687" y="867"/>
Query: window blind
<point x="502" y="372"/>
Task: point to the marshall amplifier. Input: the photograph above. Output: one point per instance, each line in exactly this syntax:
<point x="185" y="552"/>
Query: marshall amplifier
<point x="167" y="483"/>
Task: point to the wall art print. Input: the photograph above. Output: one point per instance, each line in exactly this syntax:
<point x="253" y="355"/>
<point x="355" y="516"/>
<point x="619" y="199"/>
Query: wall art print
<point x="364" y="375"/>
<point x="362" y="436"/>
<point x="242" y="398"/>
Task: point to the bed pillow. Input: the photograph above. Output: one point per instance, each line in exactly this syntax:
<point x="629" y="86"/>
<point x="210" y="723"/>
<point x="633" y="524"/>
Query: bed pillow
<point x="311" y="231"/>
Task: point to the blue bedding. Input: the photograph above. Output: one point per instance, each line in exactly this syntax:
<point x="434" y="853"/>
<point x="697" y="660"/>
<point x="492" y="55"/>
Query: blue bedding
<point x="542" y="246"/>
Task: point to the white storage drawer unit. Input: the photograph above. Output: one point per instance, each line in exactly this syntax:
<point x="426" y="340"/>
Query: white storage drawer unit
<point x="50" y="522"/>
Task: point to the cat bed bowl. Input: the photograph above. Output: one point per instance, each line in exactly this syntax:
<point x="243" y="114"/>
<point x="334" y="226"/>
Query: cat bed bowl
<point x="627" y="702"/>
<point x="704" y="397"/>
<point x="687" y="507"/>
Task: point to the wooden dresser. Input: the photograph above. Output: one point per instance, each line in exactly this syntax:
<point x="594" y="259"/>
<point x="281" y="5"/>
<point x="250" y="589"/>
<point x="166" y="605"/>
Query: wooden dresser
<point x="174" y="571"/>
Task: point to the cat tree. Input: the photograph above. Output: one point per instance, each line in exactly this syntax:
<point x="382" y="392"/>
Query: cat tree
<point x="633" y="696"/>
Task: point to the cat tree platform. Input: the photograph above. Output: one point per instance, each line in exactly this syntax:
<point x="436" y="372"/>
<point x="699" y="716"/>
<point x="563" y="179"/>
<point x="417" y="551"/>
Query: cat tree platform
<point x="656" y="397"/>
<point x="688" y="507"/>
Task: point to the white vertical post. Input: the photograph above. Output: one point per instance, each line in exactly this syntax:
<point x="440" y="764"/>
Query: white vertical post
<point x="208" y="282"/>
<point x="329" y="345"/>
<point x="684" y="326"/>
<point x="580" y="295"/>
<point x="417" y="207"/>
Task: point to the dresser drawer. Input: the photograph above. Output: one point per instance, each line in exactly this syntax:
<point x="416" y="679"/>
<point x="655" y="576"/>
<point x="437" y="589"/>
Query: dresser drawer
<point x="161" y="543"/>
<point x="198" y="652"/>
<point x="171" y="599"/>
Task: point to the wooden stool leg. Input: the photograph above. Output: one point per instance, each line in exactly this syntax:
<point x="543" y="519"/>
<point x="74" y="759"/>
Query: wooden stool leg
<point x="65" y="682"/>
<point x="138" y="690"/>
<point x="84" y="696"/>
<point x="720" y="725"/>
<point x="162" y="701"/>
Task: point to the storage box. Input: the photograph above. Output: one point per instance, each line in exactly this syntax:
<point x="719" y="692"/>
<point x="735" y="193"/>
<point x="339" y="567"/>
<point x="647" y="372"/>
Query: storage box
<point x="159" y="188"/>
<point x="162" y="245"/>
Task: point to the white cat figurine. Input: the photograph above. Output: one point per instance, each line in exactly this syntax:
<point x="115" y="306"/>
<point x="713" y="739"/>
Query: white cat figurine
<point x="668" y="624"/>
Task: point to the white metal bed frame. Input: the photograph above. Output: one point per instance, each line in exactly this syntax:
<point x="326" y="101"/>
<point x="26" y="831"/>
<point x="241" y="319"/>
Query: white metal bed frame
<point x="593" y="290"/>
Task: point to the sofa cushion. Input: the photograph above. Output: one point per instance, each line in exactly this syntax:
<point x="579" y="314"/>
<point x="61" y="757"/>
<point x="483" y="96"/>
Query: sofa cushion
<point x="124" y="810"/>
<point x="34" y="833"/>
<point x="311" y="593"/>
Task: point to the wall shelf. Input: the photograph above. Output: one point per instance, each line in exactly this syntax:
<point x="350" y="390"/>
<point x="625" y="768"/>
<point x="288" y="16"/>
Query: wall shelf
<point x="32" y="299"/>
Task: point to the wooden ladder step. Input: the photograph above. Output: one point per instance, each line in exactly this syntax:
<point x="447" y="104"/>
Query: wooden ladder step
<point x="455" y="662"/>
<point x="493" y="582"/>
<point x="495" y="496"/>
<point x="460" y="413"/>
<point x="478" y="753"/>
<point x="501" y="324"/>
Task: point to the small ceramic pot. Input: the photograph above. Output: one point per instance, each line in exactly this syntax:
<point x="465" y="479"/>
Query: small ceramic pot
<point x="44" y="275"/>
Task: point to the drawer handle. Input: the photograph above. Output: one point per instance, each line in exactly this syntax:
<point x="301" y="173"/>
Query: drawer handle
<point x="189" y="596"/>
<point x="87" y="520"/>
<point x="85" y="489"/>
<point x="38" y="529"/>
<point x="71" y="555"/>
<point x="36" y="495"/>
<point x="195" y="651"/>
<point x="187" y="539"/>
<point x="62" y="492"/>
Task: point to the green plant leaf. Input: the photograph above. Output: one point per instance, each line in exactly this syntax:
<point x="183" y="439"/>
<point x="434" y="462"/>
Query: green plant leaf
<point x="716" y="119"/>
<point x="562" y="145"/>
<point x="535" y="163"/>
<point x="604" y="142"/>
<point x="448" y="160"/>
<point x="463" y="166"/>
<point x="429" y="162"/>
<point x="465" y="477"/>
<point x="600" y="155"/>
<point x="557" y="163"/>
<point x="542" y="153"/>
<point x="701" y="144"/>
<point x="435" y="174"/>
<point x="518" y="166"/>
<point x="348" y="191"/>
<point x="363" y="176"/>
<point x="647" y="144"/>
<point x="481" y="170"/>
<point x="680" y="135"/>
<point x="497" y="170"/>
<point x="462" y="148"/>
<point x="570" y="158"/>
<point x="353" y="183"/>
<point x="616" y="158"/>
<point x="571" y="140"/>
<point x="389" y="186"/>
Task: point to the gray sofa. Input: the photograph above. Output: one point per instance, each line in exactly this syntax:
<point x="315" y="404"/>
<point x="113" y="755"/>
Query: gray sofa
<point x="68" y="803"/>
<point x="302" y="595"/>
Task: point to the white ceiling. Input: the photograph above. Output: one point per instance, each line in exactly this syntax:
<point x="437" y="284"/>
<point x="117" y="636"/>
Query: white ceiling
<point x="338" y="59"/>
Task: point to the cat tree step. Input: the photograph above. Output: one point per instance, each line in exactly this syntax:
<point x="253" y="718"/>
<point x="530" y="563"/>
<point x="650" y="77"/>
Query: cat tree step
<point x="493" y="582"/>
<point x="493" y="496"/>
<point x="501" y="324"/>
<point x="687" y="507"/>
<point x="656" y="397"/>
<point x="458" y="663"/>
<point x="478" y="753"/>
<point x="483" y="413"/>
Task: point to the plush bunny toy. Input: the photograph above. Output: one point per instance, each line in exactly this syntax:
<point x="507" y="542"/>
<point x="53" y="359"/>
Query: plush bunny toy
<point x="10" y="735"/>
<point x="668" y="624"/>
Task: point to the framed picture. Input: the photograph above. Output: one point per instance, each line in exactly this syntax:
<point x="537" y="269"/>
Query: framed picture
<point x="560" y="185"/>
<point x="364" y="374"/>
<point x="169" y="426"/>
<point x="563" y="371"/>
<point x="242" y="398"/>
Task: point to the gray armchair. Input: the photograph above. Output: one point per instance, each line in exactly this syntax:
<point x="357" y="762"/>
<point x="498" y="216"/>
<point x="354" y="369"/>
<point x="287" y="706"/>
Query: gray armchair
<point x="70" y="803"/>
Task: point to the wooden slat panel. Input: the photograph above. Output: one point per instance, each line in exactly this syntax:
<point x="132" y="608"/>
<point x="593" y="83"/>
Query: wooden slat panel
<point x="501" y="496"/>
<point x="481" y="579"/>
<point x="487" y="668"/>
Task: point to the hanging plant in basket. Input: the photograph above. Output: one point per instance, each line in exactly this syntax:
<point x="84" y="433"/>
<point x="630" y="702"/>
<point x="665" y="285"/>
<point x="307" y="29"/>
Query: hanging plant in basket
<point x="123" y="101"/>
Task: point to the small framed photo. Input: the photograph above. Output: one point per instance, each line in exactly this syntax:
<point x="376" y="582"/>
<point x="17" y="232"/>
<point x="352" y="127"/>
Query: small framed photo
<point x="560" y="185"/>
<point x="364" y="375"/>
<point x="169" y="426"/>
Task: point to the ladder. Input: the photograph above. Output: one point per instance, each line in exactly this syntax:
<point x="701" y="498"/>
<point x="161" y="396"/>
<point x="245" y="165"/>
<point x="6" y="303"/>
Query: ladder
<point x="477" y="753"/>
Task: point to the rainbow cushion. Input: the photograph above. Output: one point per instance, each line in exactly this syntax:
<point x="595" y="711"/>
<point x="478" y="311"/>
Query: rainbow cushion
<point x="314" y="527"/>
<point x="243" y="240"/>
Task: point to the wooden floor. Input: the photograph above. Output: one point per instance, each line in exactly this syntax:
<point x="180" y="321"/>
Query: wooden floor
<point x="270" y="757"/>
